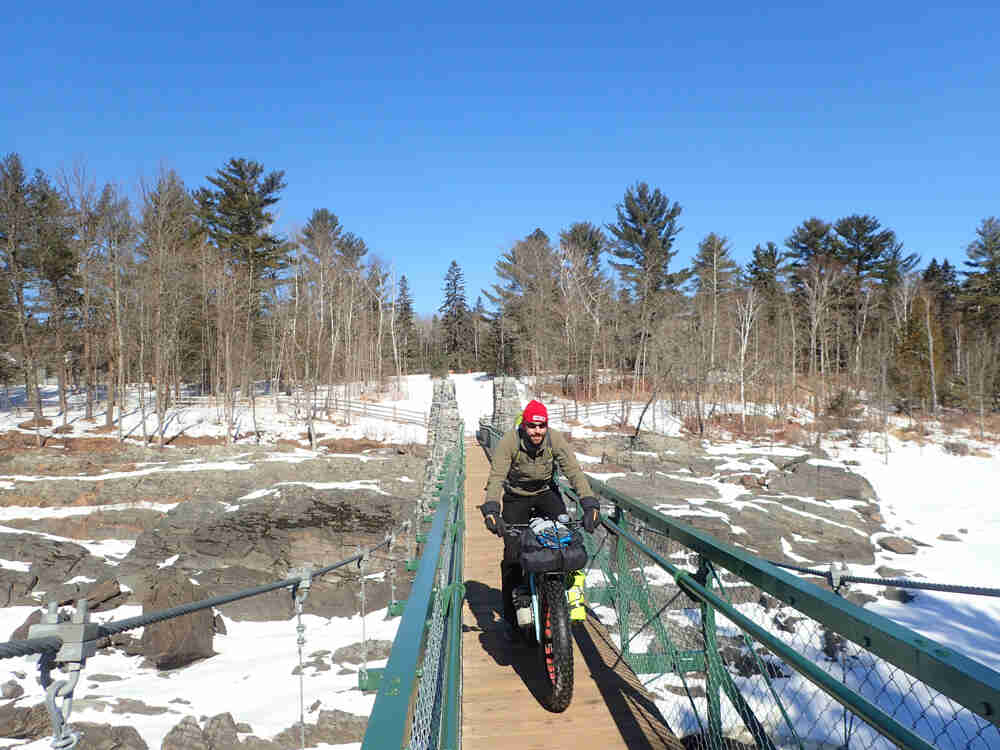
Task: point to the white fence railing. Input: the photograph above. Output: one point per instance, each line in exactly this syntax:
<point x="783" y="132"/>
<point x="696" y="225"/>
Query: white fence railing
<point x="291" y="404"/>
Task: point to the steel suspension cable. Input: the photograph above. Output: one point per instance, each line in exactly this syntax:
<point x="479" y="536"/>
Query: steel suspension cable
<point x="12" y="649"/>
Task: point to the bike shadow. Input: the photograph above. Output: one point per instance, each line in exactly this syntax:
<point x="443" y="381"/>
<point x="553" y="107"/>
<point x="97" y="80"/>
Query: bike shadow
<point x="486" y="605"/>
<point x="632" y="708"/>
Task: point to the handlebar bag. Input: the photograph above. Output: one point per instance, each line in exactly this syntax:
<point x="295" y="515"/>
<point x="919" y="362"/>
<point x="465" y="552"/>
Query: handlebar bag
<point x="552" y="547"/>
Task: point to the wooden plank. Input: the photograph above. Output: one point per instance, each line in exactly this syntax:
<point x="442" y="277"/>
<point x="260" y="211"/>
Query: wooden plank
<point x="501" y="681"/>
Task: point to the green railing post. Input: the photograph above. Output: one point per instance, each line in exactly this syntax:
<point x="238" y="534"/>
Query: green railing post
<point x="623" y="599"/>
<point x="395" y="692"/>
<point x="713" y="661"/>
<point x="451" y="733"/>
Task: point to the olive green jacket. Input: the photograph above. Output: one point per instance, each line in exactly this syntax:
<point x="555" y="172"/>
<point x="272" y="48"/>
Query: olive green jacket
<point x="521" y="469"/>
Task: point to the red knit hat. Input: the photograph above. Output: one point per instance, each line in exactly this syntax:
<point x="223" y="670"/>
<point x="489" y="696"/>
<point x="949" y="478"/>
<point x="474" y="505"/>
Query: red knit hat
<point x="535" y="412"/>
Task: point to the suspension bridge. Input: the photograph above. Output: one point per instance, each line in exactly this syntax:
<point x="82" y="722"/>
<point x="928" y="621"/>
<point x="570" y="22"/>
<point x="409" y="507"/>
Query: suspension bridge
<point x="688" y="643"/>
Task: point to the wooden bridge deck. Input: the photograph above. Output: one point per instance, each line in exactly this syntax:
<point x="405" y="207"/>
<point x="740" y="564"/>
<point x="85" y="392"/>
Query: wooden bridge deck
<point x="500" y="681"/>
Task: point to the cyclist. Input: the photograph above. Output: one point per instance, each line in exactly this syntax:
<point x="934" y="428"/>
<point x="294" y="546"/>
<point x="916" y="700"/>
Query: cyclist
<point x="524" y="467"/>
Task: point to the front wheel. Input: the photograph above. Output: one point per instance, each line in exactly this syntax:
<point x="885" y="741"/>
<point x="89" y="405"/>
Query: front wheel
<point x="557" y="643"/>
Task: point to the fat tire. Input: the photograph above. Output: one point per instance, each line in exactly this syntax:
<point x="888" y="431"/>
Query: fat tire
<point x="556" y="648"/>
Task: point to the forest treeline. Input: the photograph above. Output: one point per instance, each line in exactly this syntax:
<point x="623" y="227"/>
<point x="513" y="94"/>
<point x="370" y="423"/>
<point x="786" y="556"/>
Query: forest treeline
<point x="191" y="287"/>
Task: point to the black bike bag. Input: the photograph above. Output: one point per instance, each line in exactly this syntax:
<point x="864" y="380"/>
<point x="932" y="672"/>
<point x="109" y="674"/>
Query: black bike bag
<point x="552" y="549"/>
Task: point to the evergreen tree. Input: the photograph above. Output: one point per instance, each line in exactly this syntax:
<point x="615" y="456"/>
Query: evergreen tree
<point x="644" y="245"/>
<point x="863" y="245"/>
<point x="894" y="265"/>
<point x="454" y="317"/>
<point x="811" y="239"/>
<point x="408" y="343"/>
<point x="17" y="264"/>
<point x="644" y="240"/>
<point x="236" y="218"/>
<point x="321" y="235"/>
<point x="588" y="240"/>
<point x="351" y="249"/>
<point x="981" y="292"/>
<point x="764" y="272"/>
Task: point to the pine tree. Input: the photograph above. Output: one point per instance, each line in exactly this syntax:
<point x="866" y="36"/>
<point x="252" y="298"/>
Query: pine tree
<point x="765" y="272"/>
<point x="643" y="243"/>
<point x="351" y="249"/>
<point x="237" y="219"/>
<point x="405" y="321"/>
<point x="454" y="317"/>
<point x="644" y="239"/>
<point x="981" y="292"/>
<point x="588" y="240"/>
<point x="867" y="252"/>
<point x="321" y="235"/>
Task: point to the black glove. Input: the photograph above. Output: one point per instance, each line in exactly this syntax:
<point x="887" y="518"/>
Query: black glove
<point x="591" y="513"/>
<point x="493" y="519"/>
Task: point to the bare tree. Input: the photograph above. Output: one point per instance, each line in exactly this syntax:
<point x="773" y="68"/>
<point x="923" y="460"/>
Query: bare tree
<point x="747" y="307"/>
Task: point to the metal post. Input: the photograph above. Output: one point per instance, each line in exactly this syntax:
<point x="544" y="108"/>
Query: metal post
<point x="623" y="595"/>
<point x="713" y="664"/>
<point x="363" y="676"/>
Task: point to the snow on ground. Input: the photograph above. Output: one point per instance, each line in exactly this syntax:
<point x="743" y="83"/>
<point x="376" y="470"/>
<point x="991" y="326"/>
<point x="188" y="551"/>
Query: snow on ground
<point x="924" y="492"/>
<point x="254" y="661"/>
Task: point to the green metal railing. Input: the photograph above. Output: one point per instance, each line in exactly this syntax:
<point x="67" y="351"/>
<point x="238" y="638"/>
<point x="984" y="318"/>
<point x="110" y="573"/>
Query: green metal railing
<point x="418" y="703"/>
<point x="737" y="649"/>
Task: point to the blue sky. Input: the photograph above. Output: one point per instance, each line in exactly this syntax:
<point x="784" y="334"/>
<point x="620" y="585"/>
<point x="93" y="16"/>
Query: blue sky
<point x="449" y="131"/>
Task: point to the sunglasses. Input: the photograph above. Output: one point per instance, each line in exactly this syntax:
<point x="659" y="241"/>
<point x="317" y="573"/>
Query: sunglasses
<point x="535" y="426"/>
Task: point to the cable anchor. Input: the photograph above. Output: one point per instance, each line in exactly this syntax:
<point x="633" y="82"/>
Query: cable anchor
<point x="79" y="641"/>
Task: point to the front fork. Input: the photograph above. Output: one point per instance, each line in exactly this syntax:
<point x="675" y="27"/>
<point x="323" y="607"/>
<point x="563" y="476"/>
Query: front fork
<point x="535" y="609"/>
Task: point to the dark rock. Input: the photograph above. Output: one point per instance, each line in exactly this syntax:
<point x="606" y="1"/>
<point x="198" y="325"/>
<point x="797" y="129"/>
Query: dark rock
<point x="746" y="663"/>
<point x="24" y="722"/>
<point x="53" y="562"/>
<point x="884" y="571"/>
<point x="256" y="743"/>
<point x="264" y="538"/>
<point x="21" y="632"/>
<point x="860" y="599"/>
<point x="131" y="706"/>
<point x="186" y="735"/>
<point x="833" y="644"/>
<point x="352" y="654"/>
<point x="16" y="586"/>
<point x="894" y="594"/>
<point x="897" y="545"/>
<point x="180" y="640"/>
<point x="219" y="625"/>
<point x="244" y="728"/>
<point x="640" y="487"/>
<point x="949" y="538"/>
<point x="821" y="482"/>
<point x="107" y="737"/>
<point x="956" y="448"/>
<point x="220" y="732"/>
<point x="11" y="689"/>
<point x="786" y="622"/>
<point x="103" y="595"/>
<point x="333" y="728"/>
<point x="104" y="677"/>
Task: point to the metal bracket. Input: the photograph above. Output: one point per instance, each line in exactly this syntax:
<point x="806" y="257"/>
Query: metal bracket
<point x="300" y="591"/>
<point x="79" y="641"/>
<point x="837" y="572"/>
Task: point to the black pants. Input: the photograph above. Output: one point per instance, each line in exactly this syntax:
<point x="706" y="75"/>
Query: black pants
<point x="518" y="509"/>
